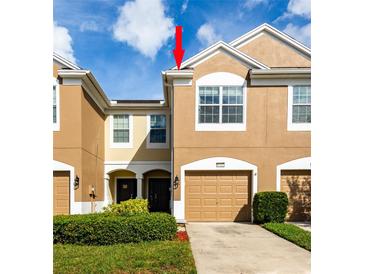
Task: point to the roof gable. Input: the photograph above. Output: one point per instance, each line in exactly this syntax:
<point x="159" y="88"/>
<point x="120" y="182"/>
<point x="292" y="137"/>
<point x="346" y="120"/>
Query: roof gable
<point x="253" y="34"/>
<point x="217" y="47"/>
<point x="64" y="62"/>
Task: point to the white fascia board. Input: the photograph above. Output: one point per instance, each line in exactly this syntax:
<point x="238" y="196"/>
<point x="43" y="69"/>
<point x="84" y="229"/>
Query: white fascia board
<point x="273" y="31"/>
<point x="65" y="62"/>
<point x="210" y="51"/>
<point x="280" y="71"/>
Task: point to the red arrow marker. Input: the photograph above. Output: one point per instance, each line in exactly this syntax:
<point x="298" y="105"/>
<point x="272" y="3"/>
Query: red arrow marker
<point x="178" y="51"/>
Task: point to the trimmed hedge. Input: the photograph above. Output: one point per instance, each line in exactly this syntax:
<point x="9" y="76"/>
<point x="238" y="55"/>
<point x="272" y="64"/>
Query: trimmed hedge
<point x="129" y="207"/>
<point x="104" y="229"/>
<point x="270" y="206"/>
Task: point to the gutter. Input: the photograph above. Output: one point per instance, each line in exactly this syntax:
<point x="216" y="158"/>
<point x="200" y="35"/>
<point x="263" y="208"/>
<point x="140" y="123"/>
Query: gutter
<point x="280" y="73"/>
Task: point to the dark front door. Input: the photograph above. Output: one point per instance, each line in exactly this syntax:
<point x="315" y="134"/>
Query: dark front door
<point x="126" y="189"/>
<point x="159" y="194"/>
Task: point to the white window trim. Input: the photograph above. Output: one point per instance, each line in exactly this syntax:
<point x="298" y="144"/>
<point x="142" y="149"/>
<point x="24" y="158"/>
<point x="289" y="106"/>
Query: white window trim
<point x="221" y="79"/>
<point x="56" y="126"/>
<point x="158" y="145"/>
<point x="295" y="126"/>
<point x="111" y="132"/>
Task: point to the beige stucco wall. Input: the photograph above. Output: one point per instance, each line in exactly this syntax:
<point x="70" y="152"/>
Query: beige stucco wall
<point x="266" y="143"/>
<point x="139" y="152"/>
<point x="274" y="53"/>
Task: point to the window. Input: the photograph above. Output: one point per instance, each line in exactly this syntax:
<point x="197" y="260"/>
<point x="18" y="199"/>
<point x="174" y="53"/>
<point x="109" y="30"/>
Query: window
<point x="158" y="129"/>
<point x="121" y="130"/>
<point x="220" y="102"/>
<point x="220" y="105"/>
<point x="299" y="108"/>
<point x="56" y="106"/>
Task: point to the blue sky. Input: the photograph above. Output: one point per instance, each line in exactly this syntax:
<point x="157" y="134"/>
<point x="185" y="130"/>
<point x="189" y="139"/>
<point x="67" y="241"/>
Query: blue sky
<point x="126" y="44"/>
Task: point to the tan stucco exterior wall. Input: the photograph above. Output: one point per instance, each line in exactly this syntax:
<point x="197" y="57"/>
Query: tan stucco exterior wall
<point x="274" y="53"/>
<point x="80" y="141"/>
<point x="139" y="152"/>
<point x="266" y="142"/>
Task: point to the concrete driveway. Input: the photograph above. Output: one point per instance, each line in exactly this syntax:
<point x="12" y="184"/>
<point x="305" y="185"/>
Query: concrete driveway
<point x="244" y="248"/>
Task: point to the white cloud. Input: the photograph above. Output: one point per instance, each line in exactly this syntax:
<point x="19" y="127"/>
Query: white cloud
<point x="62" y="42"/>
<point x="297" y="8"/>
<point x="89" y="26"/>
<point x="207" y="35"/>
<point x="300" y="7"/>
<point x="143" y="25"/>
<point x="250" y="4"/>
<point x="184" y="6"/>
<point x="301" y="33"/>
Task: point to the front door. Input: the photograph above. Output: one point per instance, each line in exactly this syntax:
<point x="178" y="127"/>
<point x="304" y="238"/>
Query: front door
<point x="159" y="194"/>
<point x="126" y="189"/>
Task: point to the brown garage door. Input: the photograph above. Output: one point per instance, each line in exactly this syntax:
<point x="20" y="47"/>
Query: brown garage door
<point x="297" y="184"/>
<point x="61" y="192"/>
<point x="218" y="195"/>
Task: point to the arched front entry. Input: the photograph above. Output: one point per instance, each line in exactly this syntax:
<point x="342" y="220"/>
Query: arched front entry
<point x="157" y="189"/>
<point x="153" y="184"/>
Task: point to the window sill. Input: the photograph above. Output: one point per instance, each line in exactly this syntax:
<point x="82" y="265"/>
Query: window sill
<point x="220" y="127"/>
<point x="56" y="127"/>
<point x="299" y="127"/>
<point x="121" y="145"/>
<point x="157" y="145"/>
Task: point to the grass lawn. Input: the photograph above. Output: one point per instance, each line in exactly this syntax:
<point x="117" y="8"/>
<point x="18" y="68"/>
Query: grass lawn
<point x="146" y="257"/>
<point x="291" y="233"/>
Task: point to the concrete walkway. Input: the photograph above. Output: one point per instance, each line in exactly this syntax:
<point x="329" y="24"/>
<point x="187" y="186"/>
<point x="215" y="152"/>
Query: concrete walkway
<point x="244" y="248"/>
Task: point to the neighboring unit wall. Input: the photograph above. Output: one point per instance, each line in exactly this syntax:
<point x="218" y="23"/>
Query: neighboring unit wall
<point x="266" y="142"/>
<point x="273" y="52"/>
<point x="139" y="151"/>
<point x="80" y="140"/>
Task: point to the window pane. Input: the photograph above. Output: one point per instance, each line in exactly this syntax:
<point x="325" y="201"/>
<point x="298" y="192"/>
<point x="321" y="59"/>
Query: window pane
<point x="158" y="136"/>
<point x="209" y="95"/>
<point x="232" y="114"/>
<point x="121" y="136"/>
<point x="301" y="114"/>
<point x="158" y="121"/>
<point x="54" y="105"/>
<point x="209" y="114"/>
<point x="121" y="121"/>
<point x="301" y="94"/>
<point x="232" y="95"/>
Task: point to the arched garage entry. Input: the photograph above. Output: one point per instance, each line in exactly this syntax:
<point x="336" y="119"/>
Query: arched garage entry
<point x="216" y="189"/>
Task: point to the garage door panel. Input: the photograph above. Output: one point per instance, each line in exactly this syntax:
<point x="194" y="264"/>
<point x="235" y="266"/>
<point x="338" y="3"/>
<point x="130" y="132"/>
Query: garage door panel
<point x="224" y="196"/>
<point x="297" y="185"/>
<point x="61" y="192"/>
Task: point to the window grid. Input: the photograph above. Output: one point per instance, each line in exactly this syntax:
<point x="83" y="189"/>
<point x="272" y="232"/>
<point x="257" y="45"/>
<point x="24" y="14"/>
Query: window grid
<point x="54" y="105"/>
<point x="301" y="105"/>
<point x="158" y="128"/>
<point x="225" y="107"/>
<point x="121" y="128"/>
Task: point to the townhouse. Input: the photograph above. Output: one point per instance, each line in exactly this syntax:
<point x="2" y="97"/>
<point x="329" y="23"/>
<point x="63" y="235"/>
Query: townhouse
<point x="235" y="120"/>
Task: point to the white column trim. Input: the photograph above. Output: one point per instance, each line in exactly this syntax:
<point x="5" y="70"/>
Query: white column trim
<point x="211" y="164"/>
<point x="302" y="164"/>
<point x="139" y="187"/>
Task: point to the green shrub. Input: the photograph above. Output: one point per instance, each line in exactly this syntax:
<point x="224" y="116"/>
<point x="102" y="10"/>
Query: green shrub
<point x="129" y="207"/>
<point x="104" y="229"/>
<point x="270" y="207"/>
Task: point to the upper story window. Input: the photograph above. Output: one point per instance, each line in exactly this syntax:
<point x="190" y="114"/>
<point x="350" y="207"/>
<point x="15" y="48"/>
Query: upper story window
<point x="220" y="102"/>
<point x="157" y="130"/>
<point x="299" y="107"/>
<point x="56" y="105"/>
<point x="121" y="130"/>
